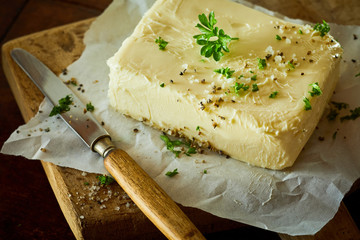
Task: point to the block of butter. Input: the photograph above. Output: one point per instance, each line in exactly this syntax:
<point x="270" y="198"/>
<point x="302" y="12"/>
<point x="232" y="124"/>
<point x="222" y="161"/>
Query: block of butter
<point x="258" y="103"/>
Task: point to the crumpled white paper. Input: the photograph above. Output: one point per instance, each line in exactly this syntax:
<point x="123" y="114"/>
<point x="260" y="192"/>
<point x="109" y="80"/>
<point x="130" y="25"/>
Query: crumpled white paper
<point x="299" y="200"/>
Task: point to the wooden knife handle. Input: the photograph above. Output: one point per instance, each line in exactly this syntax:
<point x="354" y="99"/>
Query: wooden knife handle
<point x="149" y="197"/>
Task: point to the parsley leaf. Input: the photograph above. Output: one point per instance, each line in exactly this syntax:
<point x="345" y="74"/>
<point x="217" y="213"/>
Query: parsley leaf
<point x="261" y="63"/>
<point x="239" y="86"/>
<point x="62" y="107"/>
<point x="106" y="180"/>
<point x="273" y="94"/>
<point x="357" y="75"/>
<point x="191" y="150"/>
<point x="307" y="104"/>
<point x="300" y="31"/>
<point x="315" y="91"/>
<point x="323" y="28"/>
<point x="225" y="71"/>
<point x="332" y="114"/>
<point x="255" y="87"/>
<point x="212" y="48"/>
<point x="197" y="128"/>
<point x="354" y="114"/>
<point x="291" y="65"/>
<point x="162" y="85"/>
<point x="90" y="107"/>
<point x="173" y="173"/>
<point x="161" y="42"/>
<point x="340" y="105"/>
<point x="278" y="37"/>
<point x="253" y="77"/>
<point x="170" y="145"/>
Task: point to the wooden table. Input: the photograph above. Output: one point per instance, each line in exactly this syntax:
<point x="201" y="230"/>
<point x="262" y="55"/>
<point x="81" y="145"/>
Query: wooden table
<point x="28" y="208"/>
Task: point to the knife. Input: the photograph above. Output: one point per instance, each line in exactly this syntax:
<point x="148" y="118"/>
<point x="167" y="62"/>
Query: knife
<point x="142" y="189"/>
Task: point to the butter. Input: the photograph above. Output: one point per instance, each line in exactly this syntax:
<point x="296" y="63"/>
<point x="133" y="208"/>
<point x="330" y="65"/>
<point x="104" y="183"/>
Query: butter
<point x="177" y="90"/>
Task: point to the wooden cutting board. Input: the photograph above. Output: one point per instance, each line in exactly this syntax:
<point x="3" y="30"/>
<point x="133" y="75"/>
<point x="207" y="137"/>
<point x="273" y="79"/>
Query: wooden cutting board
<point x="94" y="211"/>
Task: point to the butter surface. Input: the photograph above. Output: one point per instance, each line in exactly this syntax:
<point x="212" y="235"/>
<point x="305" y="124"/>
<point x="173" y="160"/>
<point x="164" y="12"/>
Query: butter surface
<point x="250" y="126"/>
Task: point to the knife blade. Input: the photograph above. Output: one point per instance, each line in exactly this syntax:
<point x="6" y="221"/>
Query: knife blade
<point x="142" y="189"/>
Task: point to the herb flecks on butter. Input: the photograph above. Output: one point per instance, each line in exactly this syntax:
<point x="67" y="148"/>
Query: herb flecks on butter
<point x="323" y="28"/>
<point x="315" y="91"/>
<point x="64" y="106"/>
<point x="261" y="63"/>
<point x="162" y="43"/>
<point x="277" y="37"/>
<point x="212" y="47"/>
<point x="273" y="94"/>
<point x="255" y="87"/>
<point x="307" y="104"/>
<point x="291" y="65"/>
<point x="240" y="86"/>
<point x="227" y="72"/>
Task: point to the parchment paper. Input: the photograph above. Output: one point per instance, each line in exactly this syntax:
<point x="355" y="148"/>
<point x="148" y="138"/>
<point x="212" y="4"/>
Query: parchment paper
<point x="299" y="200"/>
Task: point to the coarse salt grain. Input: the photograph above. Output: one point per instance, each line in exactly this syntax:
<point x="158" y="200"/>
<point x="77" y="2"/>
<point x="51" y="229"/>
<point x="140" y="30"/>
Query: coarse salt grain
<point x="269" y="50"/>
<point x="278" y="59"/>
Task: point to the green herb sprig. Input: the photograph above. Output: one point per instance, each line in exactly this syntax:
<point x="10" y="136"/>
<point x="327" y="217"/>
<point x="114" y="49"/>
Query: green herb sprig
<point x="307" y="104"/>
<point x="261" y="63"/>
<point x="90" y="107"/>
<point x="227" y="72"/>
<point x="240" y="86"/>
<point x="291" y="65"/>
<point x="64" y="106"/>
<point x="255" y="87"/>
<point x="315" y="91"/>
<point x="173" y="173"/>
<point x="273" y="94"/>
<point x="335" y="108"/>
<point x="323" y="28"/>
<point x="105" y="180"/>
<point x="162" y="43"/>
<point x="170" y="145"/>
<point x="354" y="114"/>
<point x="212" y="47"/>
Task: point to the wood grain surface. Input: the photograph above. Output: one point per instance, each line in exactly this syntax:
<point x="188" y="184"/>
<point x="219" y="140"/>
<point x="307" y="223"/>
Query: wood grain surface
<point x="28" y="208"/>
